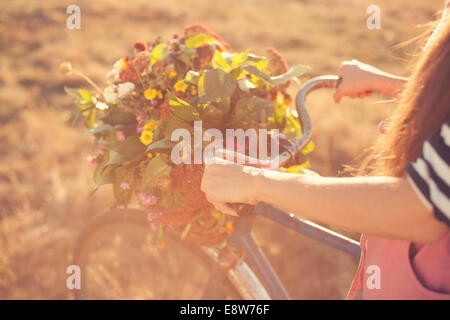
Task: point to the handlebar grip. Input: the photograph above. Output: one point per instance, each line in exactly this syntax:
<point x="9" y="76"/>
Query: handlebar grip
<point x="242" y="209"/>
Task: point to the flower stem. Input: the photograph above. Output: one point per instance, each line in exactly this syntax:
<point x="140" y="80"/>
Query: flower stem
<point x="92" y="83"/>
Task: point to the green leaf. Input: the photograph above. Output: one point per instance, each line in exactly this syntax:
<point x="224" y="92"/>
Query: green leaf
<point x="245" y="84"/>
<point x="182" y="109"/>
<point x="100" y="129"/>
<point x="160" y="144"/>
<point x="86" y="95"/>
<point x="82" y="98"/>
<point x="252" y="109"/>
<point x="238" y="73"/>
<point x="114" y="158"/>
<point x="212" y="115"/>
<point x="117" y="117"/>
<point x="223" y="104"/>
<point x="159" y="53"/>
<point x="219" y="62"/>
<point x="172" y="123"/>
<point x="155" y="169"/>
<point x="186" y="55"/>
<point x="214" y="84"/>
<point x="106" y="176"/>
<point x="90" y="119"/>
<point x="239" y="58"/>
<point x="103" y="174"/>
<point x="129" y="148"/>
<point x="257" y="72"/>
<point x="254" y="58"/>
<point x="294" y="72"/>
<point x="308" y="148"/>
<point x="199" y="40"/>
<point x="192" y="77"/>
<point x="292" y="126"/>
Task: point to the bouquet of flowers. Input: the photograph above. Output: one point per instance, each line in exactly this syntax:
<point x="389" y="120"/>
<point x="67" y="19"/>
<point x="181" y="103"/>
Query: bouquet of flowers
<point x="162" y="87"/>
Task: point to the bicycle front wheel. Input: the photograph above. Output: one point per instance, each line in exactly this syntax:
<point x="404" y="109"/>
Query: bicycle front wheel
<point x="119" y="259"/>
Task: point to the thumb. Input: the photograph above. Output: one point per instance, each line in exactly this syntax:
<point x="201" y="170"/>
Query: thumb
<point x="225" y="208"/>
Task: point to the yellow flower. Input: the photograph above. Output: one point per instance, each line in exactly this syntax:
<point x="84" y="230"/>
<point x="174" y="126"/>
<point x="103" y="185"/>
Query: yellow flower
<point x="180" y="85"/>
<point x="146" y="137"/>
<point x="279" y="98"/>
<point x="229" y="228"/>
<point x="171" y="73"/>
<point x="151" y="125"/>
<point x="193" y="91"/>
<point x="151" y="94"/>
<point x="121" y="64"/>
<point x="216" y="215"/>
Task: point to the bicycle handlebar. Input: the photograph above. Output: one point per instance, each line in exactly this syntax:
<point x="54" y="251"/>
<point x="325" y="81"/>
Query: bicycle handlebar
<point x="328" y="81"/>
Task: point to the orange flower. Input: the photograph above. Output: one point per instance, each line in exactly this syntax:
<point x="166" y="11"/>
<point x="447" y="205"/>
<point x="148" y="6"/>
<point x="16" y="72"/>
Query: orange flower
<point x="161" y="245"/>
<point x="216" y="215"/>
<point x="229" y="228"/>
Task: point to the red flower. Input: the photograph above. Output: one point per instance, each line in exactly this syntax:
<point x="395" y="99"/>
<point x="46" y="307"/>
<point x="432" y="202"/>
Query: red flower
<point x="277" y="64"/>
<point x="142" y="61"/>
<point x="140" y="46"/>
<point x="164" y="111"/>
<point x="129" y="75"/>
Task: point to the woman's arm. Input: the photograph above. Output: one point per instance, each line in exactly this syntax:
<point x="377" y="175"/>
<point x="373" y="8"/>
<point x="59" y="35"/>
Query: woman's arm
<point x="360" y="79"/>
<point x="380" y="206"/>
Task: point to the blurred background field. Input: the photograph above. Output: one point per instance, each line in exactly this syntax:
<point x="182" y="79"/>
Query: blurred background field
<point x="45" y="178"/>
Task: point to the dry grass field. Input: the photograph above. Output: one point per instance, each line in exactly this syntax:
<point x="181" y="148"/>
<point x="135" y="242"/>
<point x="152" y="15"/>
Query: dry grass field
<point x="45" y="178"/>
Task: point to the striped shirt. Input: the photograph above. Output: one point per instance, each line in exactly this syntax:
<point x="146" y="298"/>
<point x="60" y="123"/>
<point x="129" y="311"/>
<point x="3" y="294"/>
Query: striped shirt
<point x="430" y="174"/>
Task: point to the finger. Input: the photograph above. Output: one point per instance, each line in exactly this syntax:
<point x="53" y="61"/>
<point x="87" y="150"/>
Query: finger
<point x="337" y="97"/>
<point x="224" y="208"/>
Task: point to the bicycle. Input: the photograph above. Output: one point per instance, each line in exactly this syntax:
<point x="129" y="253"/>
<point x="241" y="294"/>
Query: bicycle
<point x="238" y="268"/>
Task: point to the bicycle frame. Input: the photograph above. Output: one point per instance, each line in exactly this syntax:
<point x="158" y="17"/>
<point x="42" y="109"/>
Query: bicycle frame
<point x="243" y="238"/>
<point x="267" y="285"/>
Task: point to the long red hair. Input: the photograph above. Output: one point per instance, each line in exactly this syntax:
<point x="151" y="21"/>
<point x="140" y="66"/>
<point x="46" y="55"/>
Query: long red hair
<point x="423" y="107"/>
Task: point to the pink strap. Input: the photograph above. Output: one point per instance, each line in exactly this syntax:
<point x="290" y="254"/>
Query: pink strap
<point x="358" y="280"/>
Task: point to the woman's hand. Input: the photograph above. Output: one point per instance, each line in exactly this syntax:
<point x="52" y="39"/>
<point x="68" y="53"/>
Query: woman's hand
<point x="226" y="182"/>
<point x="359" y="80"/>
